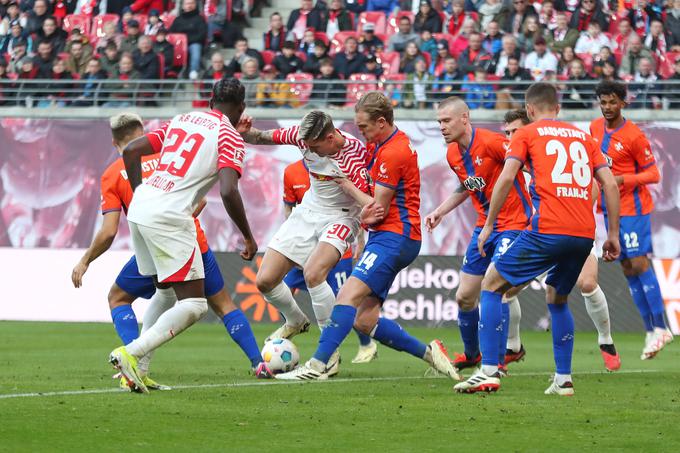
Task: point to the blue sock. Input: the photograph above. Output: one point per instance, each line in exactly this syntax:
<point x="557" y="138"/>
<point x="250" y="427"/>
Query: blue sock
<point x="335" y="332"/>
<point x="652" y="292"/>
<point x="504" y="334"/>
<point x="468" y="323"/>
<point x="640" y="300"/>
<point x="394" y="336"/>
<point x="125" y="322"/>
<point x="490" y="326"/>
<point x="563" y="336"/>
<point x="364" y="339"/>
<point x="239" y="330"/>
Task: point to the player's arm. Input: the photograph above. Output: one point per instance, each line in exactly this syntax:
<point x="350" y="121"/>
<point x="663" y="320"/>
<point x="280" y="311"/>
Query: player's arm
<point x="361" y="197"/>
<point x="231" y="198"/>
<point x="649" y="172"/>
<point x="359" y="249"/>
<point x="101" y="243"/>
<point x="433" y="219"/>
<point x="253" y="135"/>
<point x="132" y="156"/>
<point x="200" y="207"/>
<point x="611" y="247"/>
<point x="287" y="209"/>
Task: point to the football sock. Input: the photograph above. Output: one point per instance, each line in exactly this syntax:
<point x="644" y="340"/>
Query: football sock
<point x="323" y="300"/>
<point x="364" y="340"/>
<point x="596" y="306"/>
<point x="282" y="298"/>
<point x="125" y="323"/>
<point x="239" y="330"/>
<point x="490" y="326"/>
<point x="640" y="300"/>
<point x="502" y="345"/>
<point x="514" y="341"/>
<point x="394" y="336"/>
<point x="563" y="336"/>
<point x="561" y="379"/>
<point x="169" y="325"/>
<point x="162" y="301"/>
<point x="335" y="331"/>
<point x="468" y="324"/>
<point x="652" y="292"/>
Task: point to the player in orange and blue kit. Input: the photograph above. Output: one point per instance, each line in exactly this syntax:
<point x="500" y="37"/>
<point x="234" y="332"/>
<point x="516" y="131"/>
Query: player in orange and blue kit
<point x="634" y="167"/>
<point x="562" y="161"/>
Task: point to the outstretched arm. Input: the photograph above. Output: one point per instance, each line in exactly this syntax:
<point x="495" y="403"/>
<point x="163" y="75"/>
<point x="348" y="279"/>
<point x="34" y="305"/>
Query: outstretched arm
<point x="231" y="198"/>
<point x="433" y="219"/>
<point x="253" y="135"/>
<point x="100" y="244"/>
<point x="132" y="156"/>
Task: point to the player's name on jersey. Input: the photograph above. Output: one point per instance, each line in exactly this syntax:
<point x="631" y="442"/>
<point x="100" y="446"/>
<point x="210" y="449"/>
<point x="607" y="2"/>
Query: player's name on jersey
<point x="560" y="132"/>
<point x="572" y="192"/>
<point x="161" y="183"/>
<point x="147" y="167"/>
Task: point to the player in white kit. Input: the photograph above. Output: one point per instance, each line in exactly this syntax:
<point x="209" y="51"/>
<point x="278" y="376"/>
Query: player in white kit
<point x="198" y="149"/>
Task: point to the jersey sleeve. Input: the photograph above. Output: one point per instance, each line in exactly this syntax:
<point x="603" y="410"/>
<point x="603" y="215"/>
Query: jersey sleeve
<point x="288" y="136"/>
<point x="519" y="146"/>
<point x="354" y="167"/>
<point x="497" y="146"/>
<point x="157" y="137"/>
<point x="110" y="200"/>
<point x="288" y="192"/>
<point x="390" y="170"/>
<point x="230" y="148"/>
<point x="642" y="152"/>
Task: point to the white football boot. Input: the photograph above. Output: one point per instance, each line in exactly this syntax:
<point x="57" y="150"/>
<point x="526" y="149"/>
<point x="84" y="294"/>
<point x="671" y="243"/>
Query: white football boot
<point x="660" y="338"/>
<point x="566" y="389"/>
<point x="333" y="365"/>
<point x="439" y="359"/>
<point x="479" y="382"/>
<point x="366" y="353"/>
<point x="287" y="332"/>
<point x="313" y="370"/>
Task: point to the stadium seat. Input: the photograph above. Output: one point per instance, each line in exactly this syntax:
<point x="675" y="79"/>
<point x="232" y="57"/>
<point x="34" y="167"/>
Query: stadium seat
<point x="375" y="17"/>
<point x="338" y="41"/>
<point x="161" y="65"/>
<point x="665" y="66"/>
<point x="268" y="56"/>
<point x="179" y="43"/>
<point x="168" y="19"/>
<point x="203" y="90"/>
<point x="322" y="36"/>
<point x="368" y="82"/>
<point x="389" y="62"/>
<point x="393" y="21"/>
<point x="587" y="60"/>
<point x="301" y="55"/>
<point x="79" y="21"/>
<point x="301" y="86"/>
<point x="98" y="24"/>
<point x="63" y="56"/>
<point x="142" y="19"/>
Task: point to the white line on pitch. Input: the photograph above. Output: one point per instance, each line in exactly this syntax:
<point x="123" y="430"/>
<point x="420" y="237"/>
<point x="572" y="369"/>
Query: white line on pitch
<point x="274" y="382"/>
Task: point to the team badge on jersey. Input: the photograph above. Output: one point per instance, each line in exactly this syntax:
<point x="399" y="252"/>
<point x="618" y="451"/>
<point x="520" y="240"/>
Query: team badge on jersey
<point x="474" y="183"/>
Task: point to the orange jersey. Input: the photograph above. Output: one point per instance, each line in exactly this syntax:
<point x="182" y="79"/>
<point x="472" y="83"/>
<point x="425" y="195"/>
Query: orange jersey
<point x="629" y="153"/>
<point x="562" y="160"/>
<point x="478" y="168"/>
<point x="295" y="182"/>
<point x="395" y="165"/>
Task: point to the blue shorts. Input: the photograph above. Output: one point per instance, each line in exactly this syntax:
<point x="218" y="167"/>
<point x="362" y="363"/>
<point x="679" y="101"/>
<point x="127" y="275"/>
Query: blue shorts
<point x="336" y="277"/>
<point x="533" y="253"/>
<point x="635" y="236"/>
<point x="498" y="243"/>
<point x="132" y="282"/>
<point x="385" y="255"/>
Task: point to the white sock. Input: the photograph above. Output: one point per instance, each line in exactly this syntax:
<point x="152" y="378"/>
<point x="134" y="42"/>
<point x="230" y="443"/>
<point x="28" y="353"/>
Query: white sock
<point x="323" y="301"/>
<point x="162" y="301"/>
<point x="514" y="341"/>
<point x="596" y="305"/>
<point x="169" y="325"/>
<point x="489" y="370"/>
<point x="281" y="298"/>
<point x="561" y="379"/>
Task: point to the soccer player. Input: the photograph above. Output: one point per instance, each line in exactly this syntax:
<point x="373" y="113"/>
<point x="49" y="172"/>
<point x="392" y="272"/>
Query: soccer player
<point x="562" y="160"/>
<point x="318" y="231"/>
<point x="476" y="156"/>
<point x="634" y="167"/>
<point x="198" y="148"/>
<point x="295" y="185"/>
<point x="393" y="243"/>
<point x="130" y="285"/>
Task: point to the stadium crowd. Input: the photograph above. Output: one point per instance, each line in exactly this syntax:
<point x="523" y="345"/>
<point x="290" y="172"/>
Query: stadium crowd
<point x="486" y="50"/>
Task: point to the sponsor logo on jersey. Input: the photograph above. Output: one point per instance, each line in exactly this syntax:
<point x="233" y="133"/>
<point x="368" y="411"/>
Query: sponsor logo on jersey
<point x="610" y="161"/>
<point x="474" y="183"/>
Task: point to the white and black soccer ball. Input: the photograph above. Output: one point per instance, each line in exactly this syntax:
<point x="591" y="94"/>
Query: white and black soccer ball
<point x="280" y="355"/>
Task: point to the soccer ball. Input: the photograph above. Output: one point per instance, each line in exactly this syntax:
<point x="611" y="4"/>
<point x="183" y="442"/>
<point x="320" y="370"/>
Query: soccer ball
<point x="281" y="355"/>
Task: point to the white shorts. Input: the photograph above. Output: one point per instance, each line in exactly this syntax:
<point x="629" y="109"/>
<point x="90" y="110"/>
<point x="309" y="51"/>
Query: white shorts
<point x="299" y="235"/>
<point x="173" y="256"/>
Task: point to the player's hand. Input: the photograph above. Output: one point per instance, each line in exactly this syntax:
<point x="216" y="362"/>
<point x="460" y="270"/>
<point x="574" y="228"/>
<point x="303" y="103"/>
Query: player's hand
<point x="372" y="213"/>
<point x="432" y="220"/>
<point x="611" y="249"/>
<point x="245" y="123"/>
<point x="482" y="238"/>
<point x="250" y="250"/>
<point x="77" y="274"/>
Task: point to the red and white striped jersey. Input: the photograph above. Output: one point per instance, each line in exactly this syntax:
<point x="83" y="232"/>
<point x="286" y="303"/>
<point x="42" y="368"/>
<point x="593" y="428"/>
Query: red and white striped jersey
<point x="194" y="147"/>
<point x="324" y="194"/>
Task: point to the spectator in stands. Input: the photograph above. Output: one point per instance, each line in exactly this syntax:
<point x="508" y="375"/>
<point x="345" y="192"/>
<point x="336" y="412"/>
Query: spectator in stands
<point x="458" y="16"/>
<point x="589" y="11"/>
<point x="372" y="66"/>
<point x="407" y="63"/>
<point x="44" y="59"/>
<point x="77" y="36"/>
<point x="5" y="98"/>
<point x="673" y="25"/>
<point x="243" y="52"/>
<point x="27" y="71"/>
<point x="499" y="61"/>
<point x="418" y="85"/>
<point x="154" y="23"/>
<point x="145" y="59"/>
<point x="492" y="10"/>
<point x="592" y="41"/>
<point x="163" y="47"/>
<point x="350" y="61"/>
<point x="386" y="6"/>
<point x="478" y="94"/>
<point x="16" y="34"/>
<point x="326" y="90"/>
<point x="634" y="53"/>
<point x="192" y="24"/>
<point x="515" y="20"/>
<point x="18" y="52"/>
<point x="110" y="35"/>
<point x="147" y="7"/>
<point x="547" y="17"/>
<point x="605" y="56"/>
<point x="217" y="69"/>
<point x="562" y="36"/>
<point x="531" y="30"/>
<point x="443" y="54"/>
<point x="338" y="19"/>
<point x="642" y="14"/>
<point x="474" y="56"/>
<point x="540" y="61"/>
<point x="13" y="13"/>
<point x="303" y="18"/>
<point x="492" y="41"/>
<point x="52" y="33"/>
<point x="93" y="75"/>
<point x="77" y="60"/>
<point x="644" y="89"/>
<point x="125" y="17"/>
<point x="673" y="91"/>
<point x="129" y="43"/>
<point x="621" y="38"/>
<point x="427" y="18"/>
<point x="609" y="72"/>
<point x="449" y="81"/>
<point x="287" y="62"/>
<point x="250" y="77"/>
<point x="656" y="39"/>
<point x="461" y="42"/>
<point x="511" y="95"/>
<point x="59" y="90"/>
<point x="368" y="41"/>
<point x="109" y="61"/>
<point x="217" y="25"/>
<point x="122" y="92"/>
<point x="428" y="44"/>
<point x="564" y="63"/>
<point x="306" y="45"/>
<point x="276" y="35"/>
<point x="37" y="16"/>
<point x="271" y="93"/>
<point x="577" y="95"/>
<point x="313" y="63"/>
<point x="398" y="41"/>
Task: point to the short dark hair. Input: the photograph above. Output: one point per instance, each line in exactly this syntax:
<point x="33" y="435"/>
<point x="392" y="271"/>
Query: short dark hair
<point x="325" y="61"/>
<point x="542" y="94"/>
<point x="228" y="91"/>
<point x="52" y="18"/>
<point x="608" y="87"/>
<point x="517" y="114"/>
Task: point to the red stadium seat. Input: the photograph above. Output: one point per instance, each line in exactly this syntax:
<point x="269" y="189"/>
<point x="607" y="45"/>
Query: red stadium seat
<point x="338" y="41"/>
<point x="375" y="17"/>
<point x="389" y="62"/>
<point x="356" y="90"/>
<point x="393" y="21"/>
<point x="587" y="60"/>
<point x="79" y="21"/>
<point x="63" y="56"/>
<point x="322" y="36"/>
<point x="665" y="65"/>
<point x="179" y="43"/>
<point x="142" y="19"/>
<point x="268" y="56"/>
<point x="161" y="65"/>
<point x="98" y="24"/>
<point x="301" y="55"/>
<point x="301" y="86"/>
<point x="167" y="19"/>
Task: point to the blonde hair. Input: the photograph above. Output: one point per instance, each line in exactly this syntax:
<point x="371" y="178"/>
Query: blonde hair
<point x="376" y="105"/>
<point x="124" y="125"/>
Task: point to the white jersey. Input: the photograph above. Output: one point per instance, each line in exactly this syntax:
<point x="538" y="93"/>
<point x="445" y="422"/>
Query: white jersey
<point x="324" y="194"/>
<point x="194" y="147"/>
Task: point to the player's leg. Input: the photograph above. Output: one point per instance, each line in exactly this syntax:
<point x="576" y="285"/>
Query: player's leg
<point x="162" y="300"/>
<point x="467" y="297"/>
<point x="500" y="245"/>
<point x="122" y="315"/>
<point x="514" y="350"/>
<point x="322" y="260"/>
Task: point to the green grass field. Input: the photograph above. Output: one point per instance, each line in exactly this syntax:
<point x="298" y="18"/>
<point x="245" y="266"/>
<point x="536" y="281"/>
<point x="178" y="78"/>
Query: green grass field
<point x="384" y="405"/>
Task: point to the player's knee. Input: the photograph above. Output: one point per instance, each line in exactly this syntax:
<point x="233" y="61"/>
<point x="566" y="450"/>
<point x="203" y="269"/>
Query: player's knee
<point x="587" y="284"/>
<point x="264" y="283"/>
<point x="314" y="277"/>
<point x="118" y="297"/>
<point x="197" y="308"/>
<point x="465" y="301"/>
<point x="364" y="325"/>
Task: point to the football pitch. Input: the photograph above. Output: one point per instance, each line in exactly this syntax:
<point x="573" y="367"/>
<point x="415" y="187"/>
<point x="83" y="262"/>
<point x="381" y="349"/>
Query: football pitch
<point x="56" y="393"/>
